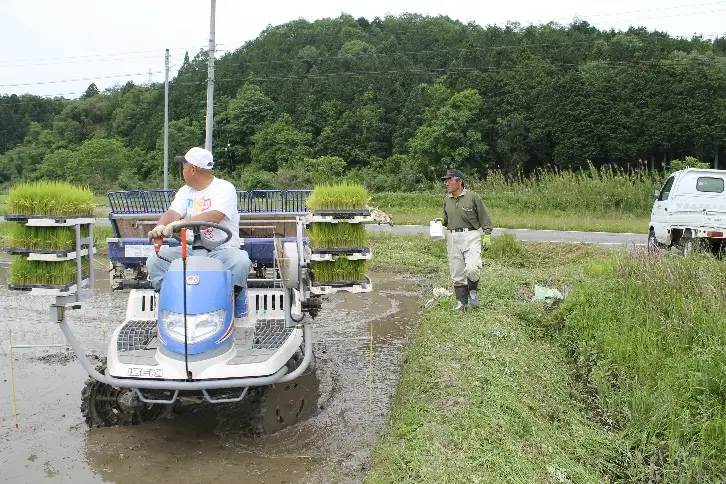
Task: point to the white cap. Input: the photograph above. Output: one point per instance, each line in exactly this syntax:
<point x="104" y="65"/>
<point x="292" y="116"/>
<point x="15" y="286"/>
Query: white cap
<point x="198" y="157"/>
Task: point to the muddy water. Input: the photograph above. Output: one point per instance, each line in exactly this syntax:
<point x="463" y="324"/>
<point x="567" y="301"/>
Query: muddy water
<point x="204" y="443"/>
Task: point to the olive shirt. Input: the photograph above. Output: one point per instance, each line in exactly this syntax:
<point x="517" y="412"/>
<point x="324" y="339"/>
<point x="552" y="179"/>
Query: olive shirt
<point x="466" y="211"/>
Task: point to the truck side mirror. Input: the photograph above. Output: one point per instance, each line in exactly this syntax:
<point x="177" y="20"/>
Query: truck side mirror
<point x="656" y="195"/>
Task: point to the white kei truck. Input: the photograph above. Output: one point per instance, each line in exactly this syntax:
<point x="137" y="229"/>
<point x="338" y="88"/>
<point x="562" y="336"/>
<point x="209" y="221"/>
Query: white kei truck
<point x="689" y="212"/>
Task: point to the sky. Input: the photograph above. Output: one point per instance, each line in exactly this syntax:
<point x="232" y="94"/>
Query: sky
<point x="54" y="47"/>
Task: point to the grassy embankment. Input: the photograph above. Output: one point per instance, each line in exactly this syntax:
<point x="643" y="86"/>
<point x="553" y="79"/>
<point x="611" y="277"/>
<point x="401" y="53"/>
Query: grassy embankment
<point x="604" y="201"/>
<point x="623" y="382"/>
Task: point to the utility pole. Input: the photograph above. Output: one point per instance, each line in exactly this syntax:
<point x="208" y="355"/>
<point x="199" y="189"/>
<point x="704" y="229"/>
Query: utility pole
<point x="166" y="120"/>
<point x="210" y="80"/>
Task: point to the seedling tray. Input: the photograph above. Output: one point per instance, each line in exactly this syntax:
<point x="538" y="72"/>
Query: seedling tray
<point x="48" y="289"/>
<point x="48" y="255"/>
<point x="334" y="217"/>
<point x="51" y="220"/>
<point x="350" y="253"/>
<point x="343" y="213"/>
<point x="331" y="287"/>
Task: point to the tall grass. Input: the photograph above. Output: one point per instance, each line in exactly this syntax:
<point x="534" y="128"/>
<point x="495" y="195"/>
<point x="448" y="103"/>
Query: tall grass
<point x="50" y="198"/>
<point x="605" y="192"/>
<point x="596" y="191"/>
<point x="649" y="335"/>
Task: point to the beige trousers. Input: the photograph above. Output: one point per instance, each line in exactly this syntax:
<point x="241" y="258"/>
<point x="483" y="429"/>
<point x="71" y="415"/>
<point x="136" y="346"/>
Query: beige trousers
<point x="464" y="250"/>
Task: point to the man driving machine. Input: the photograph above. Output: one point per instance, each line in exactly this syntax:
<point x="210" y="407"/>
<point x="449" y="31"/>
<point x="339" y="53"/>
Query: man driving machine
<point x="204" y="198"/>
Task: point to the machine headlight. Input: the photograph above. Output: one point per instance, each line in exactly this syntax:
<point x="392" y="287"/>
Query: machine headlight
<point x="199" y="326"/>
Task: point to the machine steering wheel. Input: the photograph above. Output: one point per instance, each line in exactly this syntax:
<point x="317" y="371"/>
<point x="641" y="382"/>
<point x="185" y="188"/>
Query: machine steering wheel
<point x="194" y="225"/>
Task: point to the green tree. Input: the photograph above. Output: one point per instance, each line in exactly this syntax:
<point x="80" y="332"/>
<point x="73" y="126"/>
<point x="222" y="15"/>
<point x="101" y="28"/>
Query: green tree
<point x="91" y="90"/>
<point x="139" y="117"/>
<point x="183" y="134"/>
<point x="451" y="136"/>
<point x="236" y="126"/>
<point x="278" y="144"/>
<point x="512" y="143"/>
<point x="98" y="163"/>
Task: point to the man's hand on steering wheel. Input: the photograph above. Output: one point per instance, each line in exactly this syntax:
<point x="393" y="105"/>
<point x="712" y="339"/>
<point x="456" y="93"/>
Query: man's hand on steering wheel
<point x="168" y="230"/>
<point x="177" y="226"/>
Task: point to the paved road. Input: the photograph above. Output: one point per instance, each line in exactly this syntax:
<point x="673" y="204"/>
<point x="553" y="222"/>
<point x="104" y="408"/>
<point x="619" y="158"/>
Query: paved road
<point x="526" y="235"/>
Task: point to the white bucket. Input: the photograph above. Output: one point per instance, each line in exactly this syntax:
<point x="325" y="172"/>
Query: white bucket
<point x="436" y="230"/>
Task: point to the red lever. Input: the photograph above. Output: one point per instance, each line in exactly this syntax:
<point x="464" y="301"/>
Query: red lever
<point x="157" y="244"/>
<point x="184" y="242"/>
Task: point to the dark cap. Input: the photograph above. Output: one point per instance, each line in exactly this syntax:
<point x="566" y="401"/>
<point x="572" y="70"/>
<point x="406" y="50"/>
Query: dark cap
<point x="453" y="174"/>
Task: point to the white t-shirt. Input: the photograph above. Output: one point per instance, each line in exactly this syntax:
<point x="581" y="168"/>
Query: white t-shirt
<point x="221" y="196"/>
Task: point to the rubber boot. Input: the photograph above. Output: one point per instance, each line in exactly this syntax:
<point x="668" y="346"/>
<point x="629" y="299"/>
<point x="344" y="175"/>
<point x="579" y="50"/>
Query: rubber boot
<point x="240" y="302"/>
<point x="462" y="296"/>
<point x="473" y="294"/>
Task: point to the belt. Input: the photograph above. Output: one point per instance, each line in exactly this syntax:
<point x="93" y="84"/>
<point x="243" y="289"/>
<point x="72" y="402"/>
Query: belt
<point x="465" y="229"/>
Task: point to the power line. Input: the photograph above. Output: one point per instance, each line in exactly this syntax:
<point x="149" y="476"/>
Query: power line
<point x="81" y="79"/>
<point x="467" y="50"/>
<point x="458" y="70"/>
<point x="108" y="56"/>
<point x="91" y="56"/>
<point x="90" y="61"/>
<point x="421" y="71"/>
<point x="611" y="14"/>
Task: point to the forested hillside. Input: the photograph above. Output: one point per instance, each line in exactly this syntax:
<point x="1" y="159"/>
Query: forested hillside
<point x="395" y="101"/>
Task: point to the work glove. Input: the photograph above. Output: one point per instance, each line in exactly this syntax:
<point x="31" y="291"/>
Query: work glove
<point x="156" y="232"/>
<point x="486" y="242"/>
<point x="169" y="229"/>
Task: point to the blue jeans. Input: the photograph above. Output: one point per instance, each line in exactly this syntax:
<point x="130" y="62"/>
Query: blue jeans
<point x="235" y="260"/>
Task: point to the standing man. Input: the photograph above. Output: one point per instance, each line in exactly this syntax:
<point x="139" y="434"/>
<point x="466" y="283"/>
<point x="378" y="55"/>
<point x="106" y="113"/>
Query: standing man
<point x="467" y="219"/>
<point x="204" y="198"/>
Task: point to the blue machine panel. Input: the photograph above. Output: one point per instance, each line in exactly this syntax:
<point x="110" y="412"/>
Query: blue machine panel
<point x="132" y="252"/>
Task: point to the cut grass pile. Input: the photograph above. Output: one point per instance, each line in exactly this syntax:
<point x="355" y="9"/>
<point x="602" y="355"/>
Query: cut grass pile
<point x="623" y="382"/>
<point x="23" y="271"/>
<point x="50" y="198"/>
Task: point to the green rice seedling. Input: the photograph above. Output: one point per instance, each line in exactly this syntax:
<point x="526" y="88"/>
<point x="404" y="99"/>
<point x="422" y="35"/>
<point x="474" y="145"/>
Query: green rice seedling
<point x="23" y="271"/>
<point x="343" y="196"/>
<point x="341" y="269"/>
<point x="325" y="235"/>
<point x="44" y="238"/>
<point x="50" y="198"/>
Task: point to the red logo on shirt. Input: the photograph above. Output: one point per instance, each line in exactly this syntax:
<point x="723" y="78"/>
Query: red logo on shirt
<point x="206" y="204"/>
